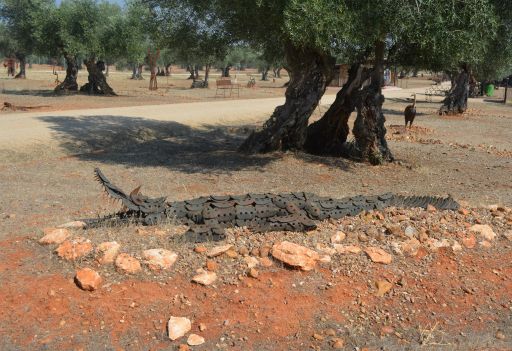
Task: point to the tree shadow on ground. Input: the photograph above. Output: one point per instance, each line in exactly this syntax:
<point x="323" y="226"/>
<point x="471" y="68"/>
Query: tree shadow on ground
<point x="495" y="101"/>
<point x="337" y="162"/>
<point x="408" y="101"/>
<point x="26" y="92"/>
<point x="142" y="142"/>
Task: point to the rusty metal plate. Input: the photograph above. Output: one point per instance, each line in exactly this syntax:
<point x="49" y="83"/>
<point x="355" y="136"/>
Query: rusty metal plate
<point x="264" y="211"/>
<point x="280" y="201"/>
<point x="245" y="202"/>
<point x="256" y="196"/>
<point x="299" y="195"/>
<point x="195" y="216"/>
<point x="263" y="201"/>
<point x="328" y="204"/>
<point x="209" y="212"/>
<point x="238" y="197"/>
<point x="194" y="207"/>
<point x="292" y="208"/>
<point x="220" y="197"/>
<point x="197" y="201"/>
<point x="245" y="212"/>
<point x="176" y="211"/>
<point x="223" y="204"/>
<point x="226" y="214"/>
<point x="312" y="209"/>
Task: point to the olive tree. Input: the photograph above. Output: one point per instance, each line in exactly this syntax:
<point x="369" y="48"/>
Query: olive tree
<point x="193" y="31"/>
<point x="73" y="30"/>
<point x="367" y="34"/>
<point x="430" y="34"/>
<point x="21" y="21"/>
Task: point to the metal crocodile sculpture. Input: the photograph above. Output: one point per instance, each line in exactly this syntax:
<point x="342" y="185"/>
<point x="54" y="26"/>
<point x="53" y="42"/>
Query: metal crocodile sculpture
<point x="209" y="216"/>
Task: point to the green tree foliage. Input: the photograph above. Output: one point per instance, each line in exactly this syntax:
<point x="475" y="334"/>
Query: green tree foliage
<point x="192" y="30"/>
<point x="305" y="35"/>
<point x="242" y="57"/>
<point x="139" y="33"/>
<point x="21" y="21"/>
<point x="441" y="35"/>
<point x="74" y="28"/>
<point x="497" y="60"/>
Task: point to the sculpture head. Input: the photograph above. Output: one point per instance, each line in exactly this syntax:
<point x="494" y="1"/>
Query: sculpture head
<point x="135" y="204"/>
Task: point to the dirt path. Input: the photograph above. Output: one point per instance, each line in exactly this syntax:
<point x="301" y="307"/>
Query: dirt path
<point x="21" y="129"/>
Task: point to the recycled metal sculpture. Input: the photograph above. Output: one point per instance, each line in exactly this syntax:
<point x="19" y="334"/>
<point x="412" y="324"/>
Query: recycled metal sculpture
<point x="209" y="216"/>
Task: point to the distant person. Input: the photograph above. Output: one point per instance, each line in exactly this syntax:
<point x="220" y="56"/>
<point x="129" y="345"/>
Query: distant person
<point x="10" y="63"/>
<point x="387" y="76"/>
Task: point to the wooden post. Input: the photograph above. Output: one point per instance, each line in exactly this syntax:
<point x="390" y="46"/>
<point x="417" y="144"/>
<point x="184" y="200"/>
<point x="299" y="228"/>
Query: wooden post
<point x="152" y="60"/>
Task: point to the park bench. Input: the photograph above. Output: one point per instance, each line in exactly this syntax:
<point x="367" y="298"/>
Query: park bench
<point x="225" y="84"/>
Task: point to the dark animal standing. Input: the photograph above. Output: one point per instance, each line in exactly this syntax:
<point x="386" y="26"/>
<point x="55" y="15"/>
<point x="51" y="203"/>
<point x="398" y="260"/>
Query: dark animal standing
<point x="410" y="113"/>
<point x="208" y="216"/>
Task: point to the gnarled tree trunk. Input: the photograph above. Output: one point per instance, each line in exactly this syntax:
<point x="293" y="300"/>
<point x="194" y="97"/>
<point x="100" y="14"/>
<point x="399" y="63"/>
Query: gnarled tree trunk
<point x="369" y="130"/>
<point x="264" y="73"/>
<point x="225" y="71"/>
<point x="362" y="92"/>
<point x="190" y="68"/>
<point x="97" y="81"/>
<point x="310" y="72"/>
<point x="140" y="69"/>
<point x="69" y="84"/>
<point x="457" y="99"/>
<point x="137" y="72"/>
<point x="207" y="74"/>
<point x="277" y="72"/>
<point x="152" y="60"/>
<point x="23" y="64"/>
<point x="196" y="72"/>
<point x="328" y="135"/>
<point x="168" y="69"/>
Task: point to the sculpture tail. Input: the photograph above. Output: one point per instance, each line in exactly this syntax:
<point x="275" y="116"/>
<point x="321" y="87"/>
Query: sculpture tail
<point x="114" y="191"/>
<point x="440" y="203"/>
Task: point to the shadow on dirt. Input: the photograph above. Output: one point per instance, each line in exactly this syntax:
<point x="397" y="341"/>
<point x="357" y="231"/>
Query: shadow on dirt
<point x="399" y="113"/>
<point x="43" y="92"/>
<point x="142" y="142"/>
<point x="408" y="101"/>
<point x="495" y="101"/>
<point x="136" y="141"/>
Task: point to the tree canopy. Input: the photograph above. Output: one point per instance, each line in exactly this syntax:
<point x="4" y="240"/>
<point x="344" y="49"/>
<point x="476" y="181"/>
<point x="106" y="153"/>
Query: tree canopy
<point x="21" y="20"/>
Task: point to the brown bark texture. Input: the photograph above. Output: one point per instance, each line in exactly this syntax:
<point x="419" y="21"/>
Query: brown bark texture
<point x="456" y="100"/>
<point x="286" y="129"/>
<point x="69" y="84"/>
<point x="97" y="82"/>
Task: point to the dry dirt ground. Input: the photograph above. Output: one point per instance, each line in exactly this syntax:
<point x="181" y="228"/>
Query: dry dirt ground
<point x="451" y="291"/>
<point x="36" y="92"/>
